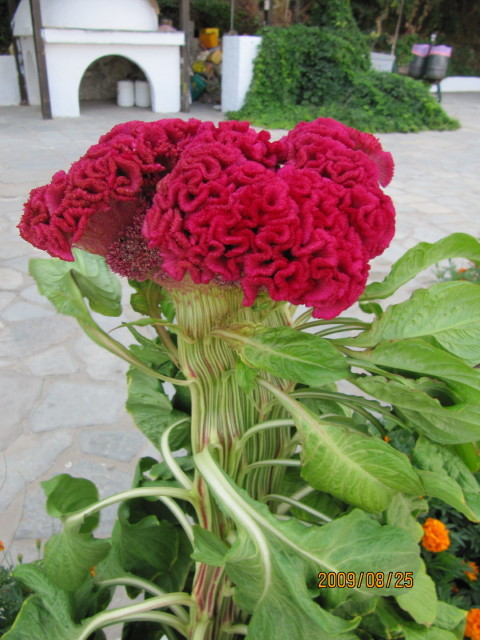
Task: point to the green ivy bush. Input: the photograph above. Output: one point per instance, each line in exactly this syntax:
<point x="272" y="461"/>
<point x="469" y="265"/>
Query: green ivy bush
<point x="302" y="73"/>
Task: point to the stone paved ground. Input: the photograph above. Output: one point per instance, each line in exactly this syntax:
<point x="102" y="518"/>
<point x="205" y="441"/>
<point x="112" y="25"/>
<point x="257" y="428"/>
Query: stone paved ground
<point x="62" y="397"/>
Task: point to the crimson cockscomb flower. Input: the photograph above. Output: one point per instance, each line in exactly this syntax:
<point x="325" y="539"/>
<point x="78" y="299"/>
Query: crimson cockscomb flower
<point x="299" y="218"/>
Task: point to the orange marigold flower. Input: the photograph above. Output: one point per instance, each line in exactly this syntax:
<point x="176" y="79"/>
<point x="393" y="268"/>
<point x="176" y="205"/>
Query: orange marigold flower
<point x="462" y="270"/>
<point x="473" y="574"/>
<point x="472" y="629"/>
<point x="386" y="438"/>
<point x="2" y="546"/>
<point x="435" y="536"/>
<point x="92" y="571"/>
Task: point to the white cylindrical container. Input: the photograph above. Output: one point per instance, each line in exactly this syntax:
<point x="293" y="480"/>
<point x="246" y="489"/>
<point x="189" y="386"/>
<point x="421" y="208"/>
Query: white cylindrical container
<point x="125" y="93"/>
<point x="142" y="94"/>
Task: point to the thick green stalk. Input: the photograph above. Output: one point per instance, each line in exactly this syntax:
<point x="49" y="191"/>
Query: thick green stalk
<point x="221" y="414"/>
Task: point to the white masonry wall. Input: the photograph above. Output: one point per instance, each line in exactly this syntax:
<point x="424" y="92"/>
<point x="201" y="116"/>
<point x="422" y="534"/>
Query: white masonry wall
<point x="9" y="91"/>
<point x="239" y="52"/>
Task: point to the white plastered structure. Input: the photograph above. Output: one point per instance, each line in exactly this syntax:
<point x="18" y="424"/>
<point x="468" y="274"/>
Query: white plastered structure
<point x="78" y="32"/>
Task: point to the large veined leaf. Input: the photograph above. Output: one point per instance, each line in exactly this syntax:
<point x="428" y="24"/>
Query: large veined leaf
<point x="446" y="477"/>
<point x="448" y="616"/>
<point x="399" y="514"/>
<point x="290" y="354"/>
<point x="47" y="615"/>
<point x="286" y="601"/>
<point x="421" y="600"/>
<point x="69" y="556"/>
<point x="420" y="257"/>
<point x="66" y="284"/>
<point x="448" y="311"/>
<point x="418" y="356"/>
<point x="330" y="548"/>
<point x="448" y="425"/>
<point x="359" y="469"/>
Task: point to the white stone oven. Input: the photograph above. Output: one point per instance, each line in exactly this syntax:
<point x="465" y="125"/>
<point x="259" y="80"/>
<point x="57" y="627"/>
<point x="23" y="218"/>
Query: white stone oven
<point x="76" y="33"/>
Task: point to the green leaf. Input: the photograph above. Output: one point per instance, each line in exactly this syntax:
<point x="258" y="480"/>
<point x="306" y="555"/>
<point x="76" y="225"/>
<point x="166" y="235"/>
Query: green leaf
<point x="290" y="354"/>
<point x="271" y="549"/>
<point x="421" y="600"/>
<point x="447" y="311"/>
<point x="399" y="514"/>
<point x="56" y="608"/>
<point x="66" y="494"/>
<point x="361" y="470"/>
<point x="420" y="357"/>
<point x="146" y="547"/>
<point x="246" y="377"/>
<point x="69" y="556"/>
<point x="34" y="621"/>
<point x="371" y="307"/>
<point x="66" y="284"/>
<point x="448" y="425"/>
<point x="448" y="616"/>
<point x="447" y="478"/>
<point x="151" y="409"/>
<point x="151" y="300"/>
<point x="420" y="257"/>
<point x="208" y="548"/>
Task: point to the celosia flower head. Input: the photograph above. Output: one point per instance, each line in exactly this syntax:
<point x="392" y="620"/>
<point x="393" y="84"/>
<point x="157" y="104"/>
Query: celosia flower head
<point x="299" y="218"/>
<point x="472" y="630"/>
<point x="435" y="535"/>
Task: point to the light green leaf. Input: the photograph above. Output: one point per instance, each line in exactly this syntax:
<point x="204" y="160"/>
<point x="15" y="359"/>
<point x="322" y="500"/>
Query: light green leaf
<point x="208" y="548"/>
<point x="447" y="478"/>
<point x="66" y="284"/>
<point x="69" y="556"/>
<point x="66" y="494"/>
<point x="56" y="608"/>
<point x="34" y="621"/>
<point x="246" y="377"/>
<point x="151" y="409"/>
<point x="420" y="257"/>
<point x="448" y="311"/>
<point x="359" y="469"/>
<point x="399" y="514"/>
<point x="421" y="600"/>
<point x="448" y="616"/>
<point x="445" y="424"/>
<point x="290" y="354"/>
<point x="420" y="357"/>
<point x="331" y="547"/>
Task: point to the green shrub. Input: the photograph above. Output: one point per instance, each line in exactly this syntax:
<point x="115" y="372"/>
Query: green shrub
<point x="302" y="73"/>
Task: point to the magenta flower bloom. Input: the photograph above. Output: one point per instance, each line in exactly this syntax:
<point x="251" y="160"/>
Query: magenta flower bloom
<point x="299" y="218"/>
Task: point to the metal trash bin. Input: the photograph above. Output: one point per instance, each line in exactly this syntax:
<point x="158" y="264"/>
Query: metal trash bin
<point x="437" y="62"/>
<point x="416" y="68"/>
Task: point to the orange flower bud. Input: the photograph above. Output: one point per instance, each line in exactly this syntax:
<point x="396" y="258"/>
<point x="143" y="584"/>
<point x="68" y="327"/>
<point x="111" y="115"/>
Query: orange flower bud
<point x="473" y="574"/>
<point x="435" y="536"/>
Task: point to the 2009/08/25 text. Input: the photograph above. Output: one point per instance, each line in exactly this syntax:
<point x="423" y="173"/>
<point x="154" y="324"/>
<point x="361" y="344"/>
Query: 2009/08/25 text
<point x="369" y="579"/>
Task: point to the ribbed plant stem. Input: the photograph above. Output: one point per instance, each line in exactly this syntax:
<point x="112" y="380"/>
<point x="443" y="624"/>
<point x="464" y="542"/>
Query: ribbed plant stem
<point x="221" y="413"/>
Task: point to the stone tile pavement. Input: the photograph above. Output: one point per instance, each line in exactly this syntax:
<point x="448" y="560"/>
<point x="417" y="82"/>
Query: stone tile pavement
<point x="61" y="396"/>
